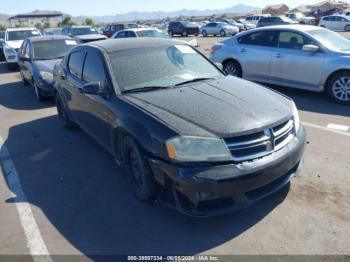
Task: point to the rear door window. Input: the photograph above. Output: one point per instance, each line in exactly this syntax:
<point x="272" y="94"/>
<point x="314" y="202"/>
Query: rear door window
<point x="263" y="38"/>
<point x="75" y="63"/>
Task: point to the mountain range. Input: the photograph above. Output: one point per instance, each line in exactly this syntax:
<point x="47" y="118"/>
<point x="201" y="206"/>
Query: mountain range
<point x="131" y="16"/>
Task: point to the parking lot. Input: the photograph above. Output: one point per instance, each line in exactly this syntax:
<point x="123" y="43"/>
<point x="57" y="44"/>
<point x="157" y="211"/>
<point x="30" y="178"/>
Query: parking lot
<point x="81" y="203"/>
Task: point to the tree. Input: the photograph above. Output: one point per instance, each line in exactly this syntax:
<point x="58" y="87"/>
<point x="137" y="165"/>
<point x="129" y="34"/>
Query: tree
<point x="20" y="24"/>
<point x="47" y="24"/>
<point x="67" y="21"/>
<point x="38" y="26"/>
<point x="3" y="27"/>
<point x="89" y="21"/>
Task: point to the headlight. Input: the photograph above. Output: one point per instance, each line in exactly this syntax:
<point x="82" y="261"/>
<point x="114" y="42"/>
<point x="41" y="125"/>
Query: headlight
<point x="197" y="149"/>
<point x="9" y="50"/>
<point x="46" y="75"/>
<point x="296" y="118"/>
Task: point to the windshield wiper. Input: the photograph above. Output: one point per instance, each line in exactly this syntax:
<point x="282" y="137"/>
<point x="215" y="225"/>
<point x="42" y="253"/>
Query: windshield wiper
<point x="195" y="80"/>
<point x="145" y="89"/>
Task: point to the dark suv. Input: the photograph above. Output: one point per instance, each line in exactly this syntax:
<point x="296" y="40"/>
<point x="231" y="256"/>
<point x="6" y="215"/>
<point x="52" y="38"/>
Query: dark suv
<point x="111" y="29"/>
<point x="275" y="20"/>
<point x="183" y="29"/>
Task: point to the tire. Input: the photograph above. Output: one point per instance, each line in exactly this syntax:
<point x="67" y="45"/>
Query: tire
<point x="139" y="173"/>
<point x="232" y="68"/>
<point x="39" y="96"/>
<point x="63" y="115"/>
<point x="204" y="33"/>
<point x="323" y="26"/>
<point x="24" y="81"/>
<point x="222" y="33"/>
<point x="338" y="88"/>
<point x="302" y="23"/>
<point x="184" y="34"/>
<point x="347" y="28"/>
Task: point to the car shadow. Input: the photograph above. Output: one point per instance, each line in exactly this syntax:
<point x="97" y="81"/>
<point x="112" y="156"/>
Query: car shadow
<point x="85" y="196"/>
<point x="313" y="101"/>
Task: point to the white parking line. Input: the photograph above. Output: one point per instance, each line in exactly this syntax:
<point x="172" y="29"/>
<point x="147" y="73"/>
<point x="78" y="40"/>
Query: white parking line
<point x="34" y="239"/>
<point x="338" y="127"/>
<point x="326" y="129"/>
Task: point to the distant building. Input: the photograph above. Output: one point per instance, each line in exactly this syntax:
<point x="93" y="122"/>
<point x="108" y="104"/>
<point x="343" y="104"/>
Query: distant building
<point x="301" y="9"/>
<point x="33" y="18"/>
<point x="276" y="9"/>
<point x="325" y="6"/>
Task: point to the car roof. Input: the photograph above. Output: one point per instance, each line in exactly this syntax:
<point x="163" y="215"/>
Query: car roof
<point x="21" y="29"/>
<point x="302" y="28"/>
<point x="48" y="38"/>
<point x="140" y="29"/>
<point x="115" y="45"/>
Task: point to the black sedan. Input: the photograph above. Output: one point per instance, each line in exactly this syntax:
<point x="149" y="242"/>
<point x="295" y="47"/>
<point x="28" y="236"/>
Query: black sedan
<point x="37" y="58"/>
<point x="201" y="141"/>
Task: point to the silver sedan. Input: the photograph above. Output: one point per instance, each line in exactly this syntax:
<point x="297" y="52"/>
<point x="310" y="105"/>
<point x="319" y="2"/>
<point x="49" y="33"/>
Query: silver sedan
<point x="219" y="28"/>
<point x="298" y="56"/>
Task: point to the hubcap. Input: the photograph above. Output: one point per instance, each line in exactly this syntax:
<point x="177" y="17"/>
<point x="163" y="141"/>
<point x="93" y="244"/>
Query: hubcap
<point x="232" y="70"/>
<point x="341" y="89"/>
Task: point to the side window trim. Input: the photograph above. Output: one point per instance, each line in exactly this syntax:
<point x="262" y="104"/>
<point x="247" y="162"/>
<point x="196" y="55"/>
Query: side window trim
<point x="81" y="71"/>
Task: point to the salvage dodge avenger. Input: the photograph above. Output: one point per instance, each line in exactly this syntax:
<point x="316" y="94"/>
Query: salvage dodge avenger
<point x="203" y="142"/>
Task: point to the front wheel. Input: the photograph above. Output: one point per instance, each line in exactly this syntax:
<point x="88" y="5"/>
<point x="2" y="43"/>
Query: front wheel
<point x="222" y="33"/>
<point x="24" y="81"/>
<point x="39" y="96"/>
<point x="232" y="68"/>
<point x="338" y="88"/>
<point x="204" y="33"/>
<point x="138" y="171"/>
<point x="347" y="28"/>
<point x="184" y="34"/>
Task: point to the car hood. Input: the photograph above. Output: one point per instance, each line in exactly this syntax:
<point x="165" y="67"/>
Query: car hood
<point x="46" y="65"/>
<point x="90" y="37"/>
<point x="223" y="108"/>
<point x="14" y="44"/>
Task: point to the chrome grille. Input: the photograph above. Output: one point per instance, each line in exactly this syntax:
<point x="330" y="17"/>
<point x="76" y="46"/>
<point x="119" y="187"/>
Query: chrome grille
<point x="257" y="145"/>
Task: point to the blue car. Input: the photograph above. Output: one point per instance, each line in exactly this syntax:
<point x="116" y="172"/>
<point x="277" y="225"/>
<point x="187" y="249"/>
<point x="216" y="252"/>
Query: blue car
<point x="37" y="58"/>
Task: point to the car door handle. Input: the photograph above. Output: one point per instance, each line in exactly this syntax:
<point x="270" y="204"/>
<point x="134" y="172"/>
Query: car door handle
<point x="278" y="56"/>
<point x="243" y="50"/>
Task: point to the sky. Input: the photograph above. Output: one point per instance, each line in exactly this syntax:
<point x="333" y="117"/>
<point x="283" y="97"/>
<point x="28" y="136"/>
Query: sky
<point x="110" y="7"/>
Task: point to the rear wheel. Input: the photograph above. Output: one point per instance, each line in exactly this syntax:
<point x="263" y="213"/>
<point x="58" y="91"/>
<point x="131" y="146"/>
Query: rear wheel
<point x="302" y="23"/>
<point x="338" y="88"/>
<point x="222" y="33"/>
<point x="232" y="68"/>
<point x="184" y="33"/>
<point x="347" y="28"/>
<point x="139" y="173"/>
<point x="65" y="119"/>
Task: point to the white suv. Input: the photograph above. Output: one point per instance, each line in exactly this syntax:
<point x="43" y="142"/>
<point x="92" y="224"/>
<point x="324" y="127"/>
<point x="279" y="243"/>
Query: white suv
<point x="13" y="40"/>
<point x="254" y="19"/>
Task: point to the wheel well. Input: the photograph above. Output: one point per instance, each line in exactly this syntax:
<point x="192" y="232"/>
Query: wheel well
<point x="333" y="74"/>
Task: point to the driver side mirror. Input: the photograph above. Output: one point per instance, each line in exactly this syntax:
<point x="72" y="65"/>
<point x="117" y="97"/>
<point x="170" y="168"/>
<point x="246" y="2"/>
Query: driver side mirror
<point x="94" y="89"/>
<point x="311" y="48"/>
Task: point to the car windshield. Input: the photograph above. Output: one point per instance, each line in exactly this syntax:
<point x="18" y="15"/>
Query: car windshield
<point x="53" y="49"/>
<point x="164" y="66"/>
<point x="83" y="31"/>
<point x="331" y="39"/>
<point x="152" y="33"/>
<point x="286" y="19"/>
<point x="21" y="34"/>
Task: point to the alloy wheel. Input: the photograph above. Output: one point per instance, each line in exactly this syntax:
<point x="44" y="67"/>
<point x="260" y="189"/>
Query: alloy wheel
<point x="231" y="69"/>
<point x="341" y="89"/>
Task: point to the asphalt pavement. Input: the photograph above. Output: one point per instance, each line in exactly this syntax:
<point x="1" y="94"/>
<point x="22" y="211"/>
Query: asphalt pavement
<point x="61" y="193"/>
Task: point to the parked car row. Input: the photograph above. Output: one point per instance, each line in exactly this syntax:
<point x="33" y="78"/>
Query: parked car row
<point x="299" y="56"/>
